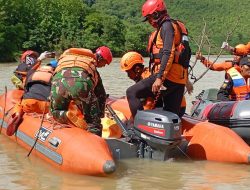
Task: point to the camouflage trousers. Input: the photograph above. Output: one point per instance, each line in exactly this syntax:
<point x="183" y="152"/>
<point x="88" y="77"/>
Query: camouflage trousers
<point x="74" y="84"/>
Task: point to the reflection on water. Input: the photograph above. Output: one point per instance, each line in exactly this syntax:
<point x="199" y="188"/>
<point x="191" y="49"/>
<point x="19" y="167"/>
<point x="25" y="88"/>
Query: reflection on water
<point x="19" y="172"/>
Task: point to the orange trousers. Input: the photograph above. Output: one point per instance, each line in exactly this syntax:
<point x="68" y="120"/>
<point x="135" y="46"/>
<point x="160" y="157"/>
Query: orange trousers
<point x="32" y="105"/>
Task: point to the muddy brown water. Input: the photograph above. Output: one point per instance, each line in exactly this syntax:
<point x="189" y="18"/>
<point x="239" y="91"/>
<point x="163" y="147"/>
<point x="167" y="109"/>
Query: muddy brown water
<point x="20" y="173"/>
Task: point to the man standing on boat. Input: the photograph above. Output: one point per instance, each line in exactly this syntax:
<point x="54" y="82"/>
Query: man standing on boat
<point x="168" y="71"/>
<point x="77" y="80"/>
<point x="236" y="84"/>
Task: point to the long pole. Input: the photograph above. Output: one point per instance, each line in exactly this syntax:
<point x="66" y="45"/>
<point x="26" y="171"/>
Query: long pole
<point x="118" y="120"/>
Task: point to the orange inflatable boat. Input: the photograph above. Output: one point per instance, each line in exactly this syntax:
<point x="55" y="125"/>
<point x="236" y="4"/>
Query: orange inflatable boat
<point x="204" y="140"/>
<point x="67" y="148"/>
<point x="155" y="134"/>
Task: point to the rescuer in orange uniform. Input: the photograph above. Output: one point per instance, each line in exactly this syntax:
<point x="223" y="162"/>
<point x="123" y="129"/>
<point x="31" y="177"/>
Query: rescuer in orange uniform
<point x="167" y="70"/>
<point x="30" y="60"/>
<point x="236" y="84"/>
<point x="133" y="64"/>
<point x="35" y="98"/>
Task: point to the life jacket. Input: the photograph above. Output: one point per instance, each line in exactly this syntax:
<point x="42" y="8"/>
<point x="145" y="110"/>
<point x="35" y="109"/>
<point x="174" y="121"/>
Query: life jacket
<point x="240" y="89"/>
<point x="43" y="74"/>
<point x="146" y="73"/>
<point x="183" y="102"/>
<point x="182" y="52"/>
<point x="151" y="41"/>
<point x="79" y="57"/>
<point x="23" y="68"/>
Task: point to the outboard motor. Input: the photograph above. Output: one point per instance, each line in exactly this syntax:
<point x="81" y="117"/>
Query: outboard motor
<point x="160" y="132"/>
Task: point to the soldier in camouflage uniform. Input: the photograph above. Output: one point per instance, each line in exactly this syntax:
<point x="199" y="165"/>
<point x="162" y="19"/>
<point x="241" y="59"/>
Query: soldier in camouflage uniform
<point x="81" y="83"/>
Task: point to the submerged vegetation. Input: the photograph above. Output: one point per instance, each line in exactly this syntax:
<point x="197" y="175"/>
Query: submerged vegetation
<point x="59" y="24"/>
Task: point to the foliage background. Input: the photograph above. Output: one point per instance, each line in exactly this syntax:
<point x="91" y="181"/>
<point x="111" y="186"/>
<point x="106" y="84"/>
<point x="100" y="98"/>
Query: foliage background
<point x="56" y="25"/>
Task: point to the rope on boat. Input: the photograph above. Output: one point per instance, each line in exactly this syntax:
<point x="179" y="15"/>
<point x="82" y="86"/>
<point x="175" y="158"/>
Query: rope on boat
<point x="183" y="152"/>
<point x="49" y="119"/>
<point x="39" y="130"/>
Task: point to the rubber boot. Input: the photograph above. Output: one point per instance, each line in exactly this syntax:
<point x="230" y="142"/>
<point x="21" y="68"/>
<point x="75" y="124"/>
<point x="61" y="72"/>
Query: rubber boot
<point x="77" y="121"/>
<point x="14" y="122"/>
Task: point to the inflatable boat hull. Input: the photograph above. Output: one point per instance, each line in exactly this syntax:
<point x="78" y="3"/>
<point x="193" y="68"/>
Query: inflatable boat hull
<point x="67" y="148"/>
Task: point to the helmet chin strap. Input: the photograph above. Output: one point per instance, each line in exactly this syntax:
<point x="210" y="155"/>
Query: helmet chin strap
<point x="161" y="19"/>
<point x="158" y="22"/>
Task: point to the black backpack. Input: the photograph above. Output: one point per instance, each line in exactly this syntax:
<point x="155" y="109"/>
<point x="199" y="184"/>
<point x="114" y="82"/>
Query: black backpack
<point x="183" y="49"/>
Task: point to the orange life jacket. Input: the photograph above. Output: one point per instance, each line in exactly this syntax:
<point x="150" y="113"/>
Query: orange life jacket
<point x="151" y="41"/>
<point x="183" y="102"/>
<point x="146" y="73"/>
<point x="43" y="74"/>
<point x="240" y="89"/>
<point x="173" y="72"/>
<point x="79" y="57"/>
<point x="22" y="70"/>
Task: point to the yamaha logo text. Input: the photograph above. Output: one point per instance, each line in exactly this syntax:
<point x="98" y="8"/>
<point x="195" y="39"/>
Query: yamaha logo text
<point x="156" y="125"/>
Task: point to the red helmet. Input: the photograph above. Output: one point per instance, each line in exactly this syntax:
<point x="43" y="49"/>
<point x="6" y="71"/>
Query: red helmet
<point x="28" y="52"/>
<point x="151" y="6"/>
<point x="105" y="53"/>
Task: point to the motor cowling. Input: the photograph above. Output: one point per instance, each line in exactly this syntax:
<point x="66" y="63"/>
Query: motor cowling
<point x="158" y="128"/>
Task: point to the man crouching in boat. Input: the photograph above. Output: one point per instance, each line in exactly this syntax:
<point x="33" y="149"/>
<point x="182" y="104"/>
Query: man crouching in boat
<point x="30" y="60"/>
<point x="77" y="79"/>
<point x="35" y="98"/>
<point x="236" y="84"/>
<point x="133" y="64"/>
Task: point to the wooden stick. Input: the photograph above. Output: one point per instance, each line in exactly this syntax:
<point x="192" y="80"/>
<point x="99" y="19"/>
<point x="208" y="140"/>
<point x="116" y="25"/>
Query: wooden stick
<point x="218" y="55"/>
<point x="200" y="44"/>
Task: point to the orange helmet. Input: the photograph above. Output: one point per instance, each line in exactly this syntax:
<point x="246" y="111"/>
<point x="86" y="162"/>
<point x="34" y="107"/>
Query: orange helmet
<point x="240" y="49"/>
<point x="240" y="46"/>
<point x="130" y="59"/>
